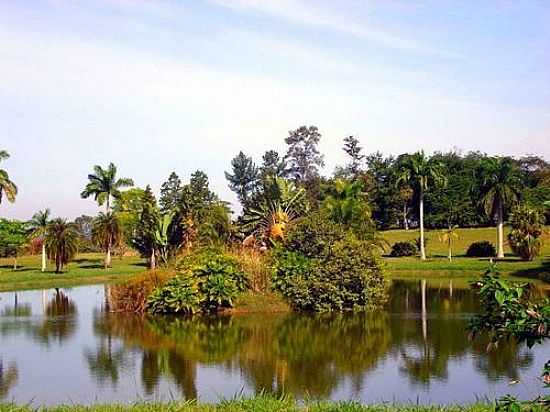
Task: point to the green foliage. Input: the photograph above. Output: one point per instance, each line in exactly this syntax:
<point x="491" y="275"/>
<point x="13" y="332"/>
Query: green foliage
<point x="104" y="184"/>
<point x="13" y="235"/>
<point x="323" y="268"/>
<point x="209" y="280"/>
<point x="527" y="228"/>
<point x="61" y="242"/>
<point x="178" y="295"/>
<point x="7" y="187"/>
<point x="400" y="249"/>
<point x="303" y="155"/>
<point x="170" y="194"/>
<point x="144" y="236"/>
<point x="481" y="248"/>
<point x="244" y="179"/>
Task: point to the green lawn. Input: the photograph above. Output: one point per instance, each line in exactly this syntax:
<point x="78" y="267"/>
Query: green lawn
<point x="85" y="269"/>
<point x="437" y="264"/>
<point x="260" y="404"/>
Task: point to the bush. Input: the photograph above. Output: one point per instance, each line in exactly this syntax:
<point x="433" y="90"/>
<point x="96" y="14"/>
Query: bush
<point x="545" y="277"/>
<point x="524" y="238"/>
<point x="322" y="269"/>
<point x="482" y="248"/>
<point x="400" y="249"/>
<point x="208" y="280"/>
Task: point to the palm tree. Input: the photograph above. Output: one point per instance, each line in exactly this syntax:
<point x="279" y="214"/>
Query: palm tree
<point x="499" y="183"/>
<point x="447" y="236"/>
<point x="103" y="184"/>
<point x="7" y="187"/>
<point x="61" y="242"/>
<point x="421" y="172"/>
<point x="39" y="227"/>
<point x="107" y="233"/>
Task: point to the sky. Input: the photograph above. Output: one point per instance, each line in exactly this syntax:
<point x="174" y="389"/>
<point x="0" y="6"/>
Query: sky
<point x="162" y="86"/>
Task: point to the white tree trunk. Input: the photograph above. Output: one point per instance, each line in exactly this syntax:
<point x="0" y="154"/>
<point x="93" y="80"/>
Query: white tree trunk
<point x="424" y="310"/>
<point x="153" y="261"/>
<point x="43" y="256"/>
<point x="450" y="252"/>
<point x="500" y="230"/>
<point x="422" y="247"/>
<point x="405" y="220"/>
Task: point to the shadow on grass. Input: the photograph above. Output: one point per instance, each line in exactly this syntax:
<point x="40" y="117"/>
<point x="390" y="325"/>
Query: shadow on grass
<point x="19" y="268"/>
<point x="533" y="273"/>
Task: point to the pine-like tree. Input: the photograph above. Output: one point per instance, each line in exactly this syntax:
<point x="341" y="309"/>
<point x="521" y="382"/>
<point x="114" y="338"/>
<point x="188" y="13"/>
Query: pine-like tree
<point x="144" y="237"/>
<point x="170" y="194"/>
<point x="303" y="155"/>
<point x="353" y="150"/>
<point x="273" y="165"/>
<point x="244" y="179"/>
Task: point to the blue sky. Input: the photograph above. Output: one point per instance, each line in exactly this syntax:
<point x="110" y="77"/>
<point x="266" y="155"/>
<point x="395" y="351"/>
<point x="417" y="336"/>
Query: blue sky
<point x="157" y="86"/>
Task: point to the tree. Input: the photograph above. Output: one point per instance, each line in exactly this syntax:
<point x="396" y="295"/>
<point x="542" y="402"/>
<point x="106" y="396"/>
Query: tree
<point x="144" y="237"/>
<point x="273" y="165"/>
<point x="499" y="185"/>
<point x="61" y="242"/>
<point x="447" y="236"/>
<point x="104" y="184"/>
<point x="421" y="173"/>
<point x="7" y="187"/>
<point x="13" y="235"/>
<point x="244" y="179"/>
<point x="107" y="234"/>
<point x="353" y="150"/>
<point x="170" y="194"/>
<point x="303" y="155"/>
<point x="527" y="228"/>
<point x="39" y="227"/>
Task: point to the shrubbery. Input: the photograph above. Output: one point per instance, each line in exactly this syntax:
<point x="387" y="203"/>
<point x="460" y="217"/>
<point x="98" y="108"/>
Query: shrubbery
<point x="482" y="248"/>
<point x="207" y="281"/>
<point x="323" y="269"/>
<point x="524" y="238"/>
<point x="400" y="249"/>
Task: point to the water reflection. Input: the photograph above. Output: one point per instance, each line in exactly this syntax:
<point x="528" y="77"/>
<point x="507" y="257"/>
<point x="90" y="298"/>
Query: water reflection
<point x="8" y="377"/>
<point x="424" y="329"/>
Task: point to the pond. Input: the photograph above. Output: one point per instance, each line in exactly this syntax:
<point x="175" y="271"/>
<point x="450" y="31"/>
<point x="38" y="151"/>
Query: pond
<point x="63" y="346"/>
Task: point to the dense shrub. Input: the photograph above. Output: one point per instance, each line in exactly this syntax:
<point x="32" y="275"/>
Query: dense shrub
<point x="208" y="280"/>
<point x="545" y="277"/>
<point x="482" y="248"/>
<point x="403" y="249"/>
<point x="524" y="238"/>
<point x="132" y="296"/>
<point x="321" y="268"/>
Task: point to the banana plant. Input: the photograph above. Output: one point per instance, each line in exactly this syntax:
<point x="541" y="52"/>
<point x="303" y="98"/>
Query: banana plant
<point x="161" y="236"/>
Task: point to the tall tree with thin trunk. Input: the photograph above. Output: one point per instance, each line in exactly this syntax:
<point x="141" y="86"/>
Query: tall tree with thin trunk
<point x="39" y="227"/>
<point x="7" y="187"/>
<point x="354" y="151"/>
<point x="103" y="185"/>
<point x="303" y="155"/>
<point x="107" y="233"/>
<point x="500" y="186"/>
<point x="421" y="173"/>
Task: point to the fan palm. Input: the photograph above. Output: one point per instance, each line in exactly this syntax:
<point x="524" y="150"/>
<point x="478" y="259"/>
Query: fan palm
<point x="499" y="183"/>
<point x="447" y="236"/>
<point x="107" y="233"/>
<point x="7" y="187"/>
<point x="61" y="242"/>
<point x="39" y="227"/>
<point x="103" y="184"/>
<point x="421" y="172"/>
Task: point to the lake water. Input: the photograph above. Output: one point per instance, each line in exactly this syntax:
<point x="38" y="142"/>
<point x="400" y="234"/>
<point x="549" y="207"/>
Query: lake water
<point x="59" y="347"/>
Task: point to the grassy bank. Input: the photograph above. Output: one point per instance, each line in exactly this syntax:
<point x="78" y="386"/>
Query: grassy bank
<point x="85" y="269"/>
<point x="438" y="265"/>
<point x="260" y="404"/>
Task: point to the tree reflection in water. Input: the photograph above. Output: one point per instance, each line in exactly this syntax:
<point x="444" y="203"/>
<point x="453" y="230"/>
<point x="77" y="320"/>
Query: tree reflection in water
<point x="60" y="321"/>
<point x="8" y="377"/>
<point x="312" y="354"/>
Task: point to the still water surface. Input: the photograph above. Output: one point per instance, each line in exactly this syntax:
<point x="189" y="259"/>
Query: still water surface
<point x="63" y="346"/>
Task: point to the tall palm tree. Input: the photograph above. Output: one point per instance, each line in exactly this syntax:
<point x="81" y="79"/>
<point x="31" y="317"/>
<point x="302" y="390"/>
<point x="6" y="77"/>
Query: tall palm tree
<point x="39" y="227"/>
<point x="61" y="242"/>
<point x="7" y="187"/>
<point x="421" y="172"/>
<point x="499" y="184"/>
<point x="107" y="233"/>
<point x="103" y="184"/>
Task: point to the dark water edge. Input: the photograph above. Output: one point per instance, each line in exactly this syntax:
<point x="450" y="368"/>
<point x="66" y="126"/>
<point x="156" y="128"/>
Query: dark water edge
<point x="62" y="346"/>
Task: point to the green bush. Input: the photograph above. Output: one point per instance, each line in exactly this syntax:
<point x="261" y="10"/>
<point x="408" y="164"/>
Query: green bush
<point x="400" y="249"/>
<point x="545" y="277"/>
<point x="482" y="248"/>
<point x="208" y="280"/>
<point x="322" y="269"/>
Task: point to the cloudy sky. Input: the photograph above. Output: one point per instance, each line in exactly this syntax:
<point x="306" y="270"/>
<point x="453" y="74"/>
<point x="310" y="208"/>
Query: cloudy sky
<point x="157" y="86"/>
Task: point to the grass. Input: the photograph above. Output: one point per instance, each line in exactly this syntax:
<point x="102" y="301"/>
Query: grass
<point x="437" y="264"/>
<point x="258" y="404"/>
<point x="85" y="269"/>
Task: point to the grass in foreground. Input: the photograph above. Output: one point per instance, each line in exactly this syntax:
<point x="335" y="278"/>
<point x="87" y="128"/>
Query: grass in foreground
<point x="85" y="269"/>
<point x="259" y="404"/>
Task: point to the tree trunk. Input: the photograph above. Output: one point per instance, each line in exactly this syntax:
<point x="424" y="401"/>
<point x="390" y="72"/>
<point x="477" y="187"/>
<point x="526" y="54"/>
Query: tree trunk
<point x="422" y="247"/>
<point x="500" y="230"/>
<point x="424" y="310"/>
<point x="153" y="262"/>
<point x="15" y="262"/>
<point x="108" y="254"/>
<point x="43" y="256"/>
<point x="450" y="251"/>
<point x="108" y="204"/>
<point x="405" y="220"/>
